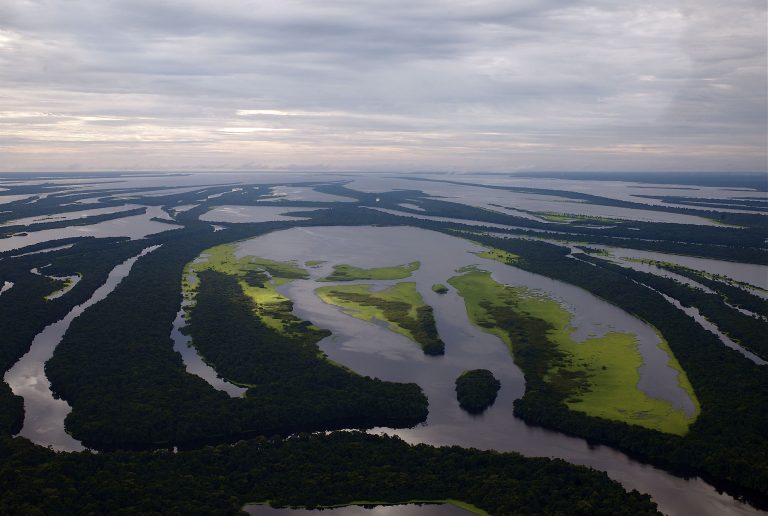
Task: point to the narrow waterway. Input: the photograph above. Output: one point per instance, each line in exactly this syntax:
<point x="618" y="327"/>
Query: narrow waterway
<point x="44" y="414"/>
<point x="193" y="362"/>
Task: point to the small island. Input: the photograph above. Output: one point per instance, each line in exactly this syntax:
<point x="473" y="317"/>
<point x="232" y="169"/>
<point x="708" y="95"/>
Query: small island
<point x="346" y="272"/>
<point x="439" y="288"/>
<point x="476" y="390"/>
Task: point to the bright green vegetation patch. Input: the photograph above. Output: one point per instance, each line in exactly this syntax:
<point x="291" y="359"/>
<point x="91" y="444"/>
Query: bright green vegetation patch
<point x="400" y="305"/>
<point x="259" y="279"/>
<point x="598" y="376"/>
<point x="439" y="288"/>
<point x="350" y="273"/>
<point x="476" y="390"/>
<point x="498" y="255"/>
<point x="314" y="263"/>
<point x="69" y="283"/>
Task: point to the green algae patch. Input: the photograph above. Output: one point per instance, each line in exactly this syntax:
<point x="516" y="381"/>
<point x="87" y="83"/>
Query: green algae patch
<point x="598" y="376"/>
<point x="346" y="272"/>
<point x="400" y="306"/>
<point x="258" y="278"/>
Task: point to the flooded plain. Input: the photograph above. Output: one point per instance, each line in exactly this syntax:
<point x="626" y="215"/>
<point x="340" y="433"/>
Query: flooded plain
<point x="371" y="349"/>
<point x="134" y="227"/>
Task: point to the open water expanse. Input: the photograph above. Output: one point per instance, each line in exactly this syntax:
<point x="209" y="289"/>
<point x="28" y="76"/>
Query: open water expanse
<point x="370" y="348"/>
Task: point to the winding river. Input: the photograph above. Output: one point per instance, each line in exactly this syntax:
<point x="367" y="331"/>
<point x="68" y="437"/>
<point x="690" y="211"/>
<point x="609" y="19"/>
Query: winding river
<point x="44" y="413"/>
<point x="371" y="349"/>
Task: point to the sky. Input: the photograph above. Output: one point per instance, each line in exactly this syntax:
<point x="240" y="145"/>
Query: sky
<point x="383" y="85"/>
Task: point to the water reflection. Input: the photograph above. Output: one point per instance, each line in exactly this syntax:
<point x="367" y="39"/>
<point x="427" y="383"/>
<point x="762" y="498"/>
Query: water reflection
<point x="357" y="510"/>
<point x="373" y="350"/>
<point x="43" y="413"/>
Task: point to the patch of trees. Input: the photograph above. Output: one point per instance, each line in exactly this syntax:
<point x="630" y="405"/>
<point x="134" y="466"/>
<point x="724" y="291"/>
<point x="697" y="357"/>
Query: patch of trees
<point x="134" y="391"/>
<point x="422" y="326"/>
<point x="476" y="390"/>
<point x="740" y="245"/>
<point x="741" y="219"/>
<point x="732" y="294"/>
<point x="24" y="311"/>
<point x="7" y="231"/>
<point x="732" y="203"/>
<point x="727" y="444"/>
<point x="287" y="369"/>
<point x="439" y="288"/>
<point x="304" y="470"/>
<point x="747" y="330"/>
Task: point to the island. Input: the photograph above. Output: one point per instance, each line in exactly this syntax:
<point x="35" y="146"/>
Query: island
<point x="476" y="390"/>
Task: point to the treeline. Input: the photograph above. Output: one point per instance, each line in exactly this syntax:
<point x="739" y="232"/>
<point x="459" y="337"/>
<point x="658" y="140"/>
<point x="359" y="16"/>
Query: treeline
<point x="745" y="329"/>
<point x="730" y="293"/>
<point x="741" y="219"/>
<point x="727" y="443"/>
<point x="743" y="244"/>
<point x="7" y="231"/>
<point x="134" y="391"/>
<point x="422" y="326"/>
<point x="24" y="311"/>
<point x="305" y="470"/>
<point x="286" y="371"/>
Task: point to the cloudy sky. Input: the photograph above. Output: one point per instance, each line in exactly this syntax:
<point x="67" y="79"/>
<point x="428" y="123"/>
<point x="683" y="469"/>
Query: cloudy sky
<point x="389" y="85"/>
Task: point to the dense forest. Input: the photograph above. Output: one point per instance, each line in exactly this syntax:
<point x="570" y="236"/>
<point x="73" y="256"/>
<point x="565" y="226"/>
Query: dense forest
<point x="305" y="470"/>
<point x="133" y="393"/>
<point x="476" y="390"/>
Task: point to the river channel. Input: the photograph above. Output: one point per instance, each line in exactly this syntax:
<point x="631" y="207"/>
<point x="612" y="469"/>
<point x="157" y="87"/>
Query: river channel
<point x="44" y="413"/>
<point x="371" y="349"/>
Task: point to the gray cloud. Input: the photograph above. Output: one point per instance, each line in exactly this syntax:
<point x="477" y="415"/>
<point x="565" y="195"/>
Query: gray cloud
<point x="435" y="84"/>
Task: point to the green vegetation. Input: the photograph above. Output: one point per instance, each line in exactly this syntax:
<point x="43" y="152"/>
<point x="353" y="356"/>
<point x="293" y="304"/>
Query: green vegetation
<point x="306" y="470"/>
<point x="117" y="368"/>
<point x="568" y="218"/>
<point x="286" y="367"/>
<point x="400" y="305"/>
<point x="747" y="330"/>
<point x="439" y="288"/>
<point x="349" y="273"/>
<point x="476" y="390"/>
<point x="727" y="442"/>
<point x="314" y="263"/>
<point x="259" y="279"/>
<point x="597" y="377"/>
<point x="732" y="292"/>
<point x="499" y="256"/>
<point x="68" y="282"/>
<point x="134" y="390"/>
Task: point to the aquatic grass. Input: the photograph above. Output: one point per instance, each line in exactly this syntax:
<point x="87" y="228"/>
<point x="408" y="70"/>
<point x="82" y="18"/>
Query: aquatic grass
<point x="346" y="272"/>
<point x="400" y="306"/>
<point x="598" y="376"/>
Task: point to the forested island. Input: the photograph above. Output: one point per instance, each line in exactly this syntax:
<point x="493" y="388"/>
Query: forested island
<point x="476" y="390"/>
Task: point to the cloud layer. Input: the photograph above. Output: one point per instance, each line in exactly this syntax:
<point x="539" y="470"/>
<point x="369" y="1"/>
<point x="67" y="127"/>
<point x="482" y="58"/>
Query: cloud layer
<point x="383" y="85"/>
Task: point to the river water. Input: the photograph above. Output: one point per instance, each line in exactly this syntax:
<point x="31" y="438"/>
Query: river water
<point x="371" y="349"/>
<point x="44" y="414"/>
